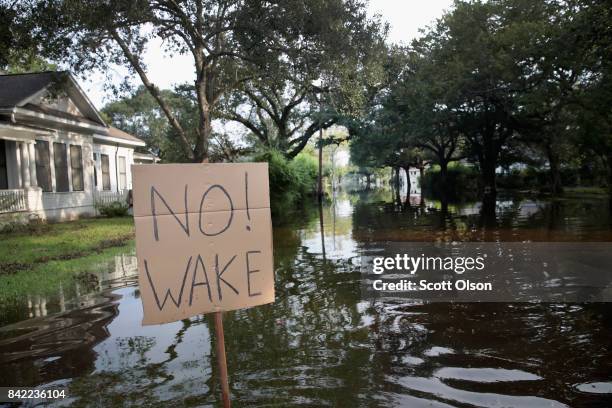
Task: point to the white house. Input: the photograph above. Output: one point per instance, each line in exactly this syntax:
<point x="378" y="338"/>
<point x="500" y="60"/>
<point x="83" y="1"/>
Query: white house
<point x="58" y="157"/>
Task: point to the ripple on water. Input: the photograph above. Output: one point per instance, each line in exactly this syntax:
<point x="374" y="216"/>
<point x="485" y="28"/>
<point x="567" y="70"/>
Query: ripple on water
<point x="485" y="375"/>
<point x="437" y="388"/>
<point x="438" y="351"/>
<point x="411" y="360"/>
<point x="596" y="387"/>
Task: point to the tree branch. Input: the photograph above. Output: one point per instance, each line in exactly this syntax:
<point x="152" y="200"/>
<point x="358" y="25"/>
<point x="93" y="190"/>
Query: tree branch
<point x="154" y="91"/>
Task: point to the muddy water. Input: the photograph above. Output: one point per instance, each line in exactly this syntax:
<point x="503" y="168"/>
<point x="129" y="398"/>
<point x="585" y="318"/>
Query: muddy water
<point x="322" y="343"/>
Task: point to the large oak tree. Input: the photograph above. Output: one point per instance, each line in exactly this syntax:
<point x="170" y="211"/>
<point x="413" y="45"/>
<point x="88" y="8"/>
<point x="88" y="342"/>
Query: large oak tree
<point x="232" y="43"/>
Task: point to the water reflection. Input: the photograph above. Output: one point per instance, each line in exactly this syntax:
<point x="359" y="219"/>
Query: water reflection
<point x="321" y="343"/>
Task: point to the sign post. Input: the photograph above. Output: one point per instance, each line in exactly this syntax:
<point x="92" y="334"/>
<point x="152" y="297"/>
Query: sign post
<point x="221" y="360"/>
<point x="203" y="242"/>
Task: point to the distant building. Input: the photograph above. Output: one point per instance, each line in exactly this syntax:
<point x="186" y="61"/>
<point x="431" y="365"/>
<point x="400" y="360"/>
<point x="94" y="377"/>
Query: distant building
<point x="58" y="157"/>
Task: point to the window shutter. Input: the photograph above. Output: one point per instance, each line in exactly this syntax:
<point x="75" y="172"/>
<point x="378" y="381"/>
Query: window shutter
<point x="43" y="165"/>
<point x="61" y="167"/>
<point x="76" y="165"/>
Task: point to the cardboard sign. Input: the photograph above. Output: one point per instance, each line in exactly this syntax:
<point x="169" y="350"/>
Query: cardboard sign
<point x="203" y="238"/>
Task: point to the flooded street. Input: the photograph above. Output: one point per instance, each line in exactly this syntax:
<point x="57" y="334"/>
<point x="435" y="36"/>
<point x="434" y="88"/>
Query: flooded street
<point x="322" y="343"/>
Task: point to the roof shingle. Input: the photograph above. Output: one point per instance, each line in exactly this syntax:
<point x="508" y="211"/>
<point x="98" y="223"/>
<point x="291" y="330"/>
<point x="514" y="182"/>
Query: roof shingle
<point x="15" y="88"/>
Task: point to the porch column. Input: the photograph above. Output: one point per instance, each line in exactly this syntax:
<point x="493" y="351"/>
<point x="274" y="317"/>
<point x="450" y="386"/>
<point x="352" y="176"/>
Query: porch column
<point x="25" y="165"/>
<point x="32" y="154"/>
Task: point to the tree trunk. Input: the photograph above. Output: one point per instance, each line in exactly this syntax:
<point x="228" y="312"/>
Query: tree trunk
<point x="487" y="156"/>
<point x="609" y="160"/>
<point x="488" y="177"/>
<point x="408" y="182"/>
<point x="421" y="174"/>
<point x="487" y="211"/>
<point x="396" y="189"/>
<point x="444" y="177"/>
<point x="368" y="181"/>
<point x="320" y="180"/>
<point x="397" y="177"/>
<point x="556" y="187"/>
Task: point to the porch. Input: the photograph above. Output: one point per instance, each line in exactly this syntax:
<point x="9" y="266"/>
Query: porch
<point x="19" y="190"/>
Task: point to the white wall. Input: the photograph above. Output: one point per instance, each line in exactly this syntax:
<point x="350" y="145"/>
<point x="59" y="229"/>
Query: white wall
<point x="70" y="204"/>
<point x="113" y="153"/>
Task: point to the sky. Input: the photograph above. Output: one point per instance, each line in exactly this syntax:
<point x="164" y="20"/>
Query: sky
<point x="405" y="17"/>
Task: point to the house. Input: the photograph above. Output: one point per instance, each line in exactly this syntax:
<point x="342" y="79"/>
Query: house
<point x="58" y="158"/>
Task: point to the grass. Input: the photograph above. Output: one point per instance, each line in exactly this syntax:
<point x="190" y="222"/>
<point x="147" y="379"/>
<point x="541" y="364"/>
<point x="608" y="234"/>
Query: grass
<point x="37" y="261"/>
<point x="585" y="190"/>
<point x="22" y="251"/>
<point x="46" y="278"/>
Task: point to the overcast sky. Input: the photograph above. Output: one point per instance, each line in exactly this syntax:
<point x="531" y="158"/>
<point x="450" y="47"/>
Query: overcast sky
<point x="404" y="16"/>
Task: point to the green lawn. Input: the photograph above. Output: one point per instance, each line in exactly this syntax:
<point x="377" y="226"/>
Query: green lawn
<point x="62" y="241"/>
<point x="39" y="261"/>
<point x="585" y="191"/>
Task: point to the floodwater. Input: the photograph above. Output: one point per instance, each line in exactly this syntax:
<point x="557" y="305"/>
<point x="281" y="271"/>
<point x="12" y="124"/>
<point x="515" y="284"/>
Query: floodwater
<point x="322" y="343"/>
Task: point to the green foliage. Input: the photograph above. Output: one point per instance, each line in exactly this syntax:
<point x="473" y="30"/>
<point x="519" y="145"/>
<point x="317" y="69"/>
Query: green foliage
<point x="139" y="114"/>
<point x="114" y="209"/>
<point x="462" y="182"/>
<point x="538" y="179"/>
<point x="19" y="52"/>
<point x="290" y="180"/>
<point x="333" y="40"/>
<point x="306" y="89"/>
<point x="499" y="82"/>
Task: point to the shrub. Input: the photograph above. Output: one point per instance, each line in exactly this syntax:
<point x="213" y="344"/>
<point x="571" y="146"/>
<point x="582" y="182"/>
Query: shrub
<point x="306" y="170"/>
<point x="114" y="209"/>
<point x="290" y="180"/>
<point x="462" y="182"/>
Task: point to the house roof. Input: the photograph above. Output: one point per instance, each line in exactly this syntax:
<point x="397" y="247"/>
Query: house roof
<point x="148" y="157"/>
<point x="20" y="90"/>
<point x="16" y="88"/>
<point x="120" y="134"/>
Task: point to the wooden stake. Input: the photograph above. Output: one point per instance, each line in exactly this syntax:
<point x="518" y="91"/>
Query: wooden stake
<point x="220" y="336"/>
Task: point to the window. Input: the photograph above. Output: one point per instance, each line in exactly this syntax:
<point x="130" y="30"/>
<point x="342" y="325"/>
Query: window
<point x="76" y="167"/>
<point x="95" y="167"/>
<point x="60" y="161"/>
<point x="122" y="173"/>
<point x="43" y="165"/>
<point x="106" y="184"/>
<point x="3" y="172"/>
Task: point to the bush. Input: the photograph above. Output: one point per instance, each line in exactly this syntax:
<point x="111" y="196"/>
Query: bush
<point x="114" y="209"/>
<point x="290" y="180"/>
<point x="462" y="182"/>
<point x="306" y="171"/>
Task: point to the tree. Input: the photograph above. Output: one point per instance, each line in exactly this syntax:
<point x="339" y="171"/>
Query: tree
<point x="140" y="115"/>
<point x="18" y="42"/>
<point x="316" y="81"/>
<point x="230" y="42"/>
<point x="425" y="120"/>
<point x="483" y="57"/>
<point x="593" y="115"/>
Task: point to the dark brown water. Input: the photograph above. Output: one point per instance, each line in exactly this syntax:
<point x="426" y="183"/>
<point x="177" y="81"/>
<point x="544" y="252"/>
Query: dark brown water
<point x="321" y="343"/>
